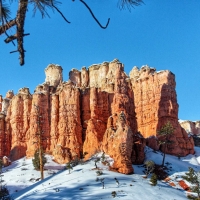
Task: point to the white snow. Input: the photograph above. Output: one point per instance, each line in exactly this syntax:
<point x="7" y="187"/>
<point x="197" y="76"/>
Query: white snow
<point x="81" y="184"/>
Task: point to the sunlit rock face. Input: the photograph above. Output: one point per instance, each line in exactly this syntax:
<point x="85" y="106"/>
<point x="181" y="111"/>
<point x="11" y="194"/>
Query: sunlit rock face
<point x="155" y="104"/>
<point x="17" y="123"/>
<point x="98" y="109"/>
<point x="39" y="112"/>
<point x="191" y="127"/>
<point x="53" y="75"/>
<point x="69" y="134"/>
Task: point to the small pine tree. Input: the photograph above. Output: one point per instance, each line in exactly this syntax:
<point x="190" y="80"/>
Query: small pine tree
<point x="165" y="131"/>
<point x="69" y="166"/>
<point x="36" y="160"/>
<point x="154" y="179"/>
<point x="96" y="161"/>
<point x="194" y="178"/>
<point x="103" y="158"/>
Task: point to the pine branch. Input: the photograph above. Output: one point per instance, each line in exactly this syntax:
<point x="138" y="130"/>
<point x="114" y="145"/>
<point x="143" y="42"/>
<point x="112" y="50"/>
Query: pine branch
<point x="13" y="37"/>
<point x="7" y="26"/>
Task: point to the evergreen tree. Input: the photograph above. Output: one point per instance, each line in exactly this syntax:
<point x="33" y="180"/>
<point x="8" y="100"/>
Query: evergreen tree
<point x="103" y="157"/>
<point x="96" y="161"/>
<point x="36" y="160"/>
<point x="165" y="131"/>
<point x="69" y="166"/>
<point x="194" y="178"/>
<point x="154" y="179"/>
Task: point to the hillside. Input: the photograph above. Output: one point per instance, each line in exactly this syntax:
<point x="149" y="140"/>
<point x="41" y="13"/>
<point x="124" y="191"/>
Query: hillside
<point x="81" y="183"/>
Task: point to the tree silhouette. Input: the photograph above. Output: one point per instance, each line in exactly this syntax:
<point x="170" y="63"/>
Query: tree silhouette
<point x="165" y="131"/>
<point x="42" y="6"/>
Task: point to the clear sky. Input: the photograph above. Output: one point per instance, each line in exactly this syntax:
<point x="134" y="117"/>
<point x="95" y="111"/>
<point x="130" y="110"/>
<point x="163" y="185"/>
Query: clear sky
<point x="164" y="34"/>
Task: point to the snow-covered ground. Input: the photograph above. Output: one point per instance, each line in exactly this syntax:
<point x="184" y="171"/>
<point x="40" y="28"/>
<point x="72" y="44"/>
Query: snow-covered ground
<point x="21" y="180"/>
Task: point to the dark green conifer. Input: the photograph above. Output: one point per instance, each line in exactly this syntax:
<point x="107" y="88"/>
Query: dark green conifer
<point x="69" y="166"/>
<point x="194" y="178"/>
<point x="36" y="160"/>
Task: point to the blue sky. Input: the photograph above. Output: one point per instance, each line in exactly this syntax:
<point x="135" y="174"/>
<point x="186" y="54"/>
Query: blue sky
<point x="163" y="34"/>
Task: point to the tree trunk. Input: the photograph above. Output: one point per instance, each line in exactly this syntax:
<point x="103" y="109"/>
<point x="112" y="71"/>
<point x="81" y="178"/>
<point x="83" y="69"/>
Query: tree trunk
<point x="163" y="161"/>
<point x="20" y="19"/>
<point x="40" y="147"/>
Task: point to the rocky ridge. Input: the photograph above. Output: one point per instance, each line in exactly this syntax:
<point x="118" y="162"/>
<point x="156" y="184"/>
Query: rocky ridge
<point x="98" y="109"/>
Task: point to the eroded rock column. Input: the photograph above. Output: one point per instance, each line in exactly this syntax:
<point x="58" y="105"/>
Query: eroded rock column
<point x="69" y="144"/>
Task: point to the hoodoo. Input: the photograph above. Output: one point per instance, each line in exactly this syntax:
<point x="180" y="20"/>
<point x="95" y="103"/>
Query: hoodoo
<point x="97" y="109"/>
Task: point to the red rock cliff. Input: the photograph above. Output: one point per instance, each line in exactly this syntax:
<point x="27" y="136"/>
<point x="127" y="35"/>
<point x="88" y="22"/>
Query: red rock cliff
<point x="98" y="109"/>
<point x="156" y="103"/>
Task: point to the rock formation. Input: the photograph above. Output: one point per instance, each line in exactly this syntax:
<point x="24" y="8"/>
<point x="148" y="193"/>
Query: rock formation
<point x="18" y="117"/>
<point x="97" y="109"/>
<point x="191" y="127"/>
<point x="155" y="104"/>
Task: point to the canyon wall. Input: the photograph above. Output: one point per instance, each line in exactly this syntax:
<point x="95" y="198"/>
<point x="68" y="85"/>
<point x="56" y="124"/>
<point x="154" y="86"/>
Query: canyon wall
<point x="97" y="109"/>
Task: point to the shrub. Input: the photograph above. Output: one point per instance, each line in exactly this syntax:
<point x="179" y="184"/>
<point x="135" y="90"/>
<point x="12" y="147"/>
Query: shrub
<point x="150" y="166"/>
<point x="99" y="173"/>
<point x="154" y="179"/>
<point x="114" y="194"/>
<point x="4" y="193"/>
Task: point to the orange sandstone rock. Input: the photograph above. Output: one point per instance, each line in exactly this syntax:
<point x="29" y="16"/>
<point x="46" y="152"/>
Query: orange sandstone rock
<point x="119" y="145"/>
<point x="69" y="139"/>
<point x="183" y="185"/>
<point x="19" y="117"/>
<point x="99" y="108"/>
<point x="40" y="99"/>
<point x="155" y="104"/>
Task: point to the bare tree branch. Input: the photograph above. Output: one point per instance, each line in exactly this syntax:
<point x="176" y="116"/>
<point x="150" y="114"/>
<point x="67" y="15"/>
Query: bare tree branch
<point x="14" y="51"/>
<point x="60" y="12"/>
<point x="104" y="27"/>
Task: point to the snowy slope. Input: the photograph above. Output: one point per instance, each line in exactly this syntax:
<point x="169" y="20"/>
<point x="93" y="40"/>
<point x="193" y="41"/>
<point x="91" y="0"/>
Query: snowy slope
<point x="20" y="179"/>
